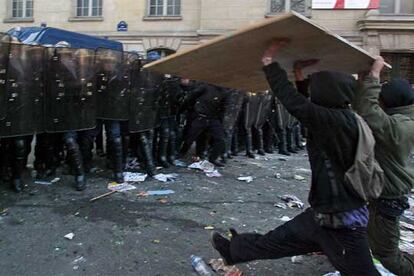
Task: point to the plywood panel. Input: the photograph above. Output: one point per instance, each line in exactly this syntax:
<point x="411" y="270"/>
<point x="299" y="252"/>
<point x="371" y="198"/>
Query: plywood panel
<point x="234" y="60"/>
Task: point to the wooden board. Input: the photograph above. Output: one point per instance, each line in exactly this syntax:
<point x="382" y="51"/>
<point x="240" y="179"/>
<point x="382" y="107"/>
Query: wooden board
<point x="234" y="60"/>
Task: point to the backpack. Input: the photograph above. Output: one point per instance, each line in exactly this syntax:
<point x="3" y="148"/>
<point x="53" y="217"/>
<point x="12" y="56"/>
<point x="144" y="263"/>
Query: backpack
<point x="365" y="176"/>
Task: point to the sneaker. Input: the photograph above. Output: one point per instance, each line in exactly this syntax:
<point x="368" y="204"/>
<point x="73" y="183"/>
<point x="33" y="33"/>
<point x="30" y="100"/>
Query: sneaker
<point x="222" y="245"/>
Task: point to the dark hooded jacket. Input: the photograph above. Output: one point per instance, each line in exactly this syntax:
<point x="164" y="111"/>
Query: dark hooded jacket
<point x="333" y="133"/>
<point x="393" y="129"/>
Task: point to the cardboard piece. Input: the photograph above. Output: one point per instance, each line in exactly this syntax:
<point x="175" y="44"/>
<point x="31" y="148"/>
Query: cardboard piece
<point x="234" y="60"/>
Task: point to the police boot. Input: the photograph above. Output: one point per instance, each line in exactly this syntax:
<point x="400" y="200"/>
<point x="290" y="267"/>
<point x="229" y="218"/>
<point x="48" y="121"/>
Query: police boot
<point x="172" y="147"/>
<point x="75" y="159"/>
<point x="18" y="164"/>
<point x="86" y="147"/>
<point x="163" y="147"/>
<point x="216" y="152"/>
<point x="249" y="145"/>
<point x="282" y="144"/>
<point x="235" y="143"/>
<point x="146" y="150"/>
<point x="116" y="155"/>
<point x="289" y="143"/>
<point x="260" y="147"/>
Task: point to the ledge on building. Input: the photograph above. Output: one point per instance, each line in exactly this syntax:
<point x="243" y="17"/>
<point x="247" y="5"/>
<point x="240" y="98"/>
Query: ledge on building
<point x="376" y="21"/>
<point x="85" y="18"/>
<point x="161" y="18"/>
<point x="19" y="20"/>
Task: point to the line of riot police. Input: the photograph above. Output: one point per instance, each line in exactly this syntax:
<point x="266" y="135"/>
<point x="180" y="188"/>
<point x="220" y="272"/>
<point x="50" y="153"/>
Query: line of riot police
<point x="64" y="97"/>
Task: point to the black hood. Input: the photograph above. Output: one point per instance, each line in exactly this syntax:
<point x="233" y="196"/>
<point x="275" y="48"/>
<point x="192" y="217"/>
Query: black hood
<point x="332" y="89"/>
<point x="396" y="93"/>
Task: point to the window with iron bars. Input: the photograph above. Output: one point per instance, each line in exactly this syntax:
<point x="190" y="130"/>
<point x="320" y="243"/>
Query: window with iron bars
<point x="89" y="8"/>
<point x="278" y="6"/>
<point x="164" y="8"/>
<point x="22" y="8"/>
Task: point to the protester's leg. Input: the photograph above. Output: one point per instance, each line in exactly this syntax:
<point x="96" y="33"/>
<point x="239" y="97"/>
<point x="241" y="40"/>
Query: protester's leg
<point x="384" y="236"/>
<point x="198" y="125"/>
<point x="290" y="239"/>
<point x="218" y="135"/>
<point x="347" y="250"/>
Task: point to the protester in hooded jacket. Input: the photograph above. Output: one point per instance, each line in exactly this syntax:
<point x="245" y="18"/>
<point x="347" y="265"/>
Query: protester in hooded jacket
<point x="337" y="221"/>
<point x="390" y="114"/>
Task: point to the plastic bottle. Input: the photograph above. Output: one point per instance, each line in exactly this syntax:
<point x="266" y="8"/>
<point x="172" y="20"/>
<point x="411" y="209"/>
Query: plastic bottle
<point x="200" y="266"/>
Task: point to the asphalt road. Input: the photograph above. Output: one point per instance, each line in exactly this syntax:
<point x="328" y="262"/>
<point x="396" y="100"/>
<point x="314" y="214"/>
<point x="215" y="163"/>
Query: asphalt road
<point x="124" y="234"/>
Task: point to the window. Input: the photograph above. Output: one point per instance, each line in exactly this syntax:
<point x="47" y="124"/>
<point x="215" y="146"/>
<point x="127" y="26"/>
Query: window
<point x="277" y="6"/>
<point x="89" y="8"/>
<point x="164" y="7"/>
<point x="397" y="6"/>
<point x="402" y="66"/>
<point x="160" y="52"/>
<point x="22" y="8"/>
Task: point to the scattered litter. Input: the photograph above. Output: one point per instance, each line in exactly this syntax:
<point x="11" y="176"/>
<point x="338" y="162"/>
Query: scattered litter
<point x="102" y="196"/>
<point x="123" y="187"/>
<point x="280" y="205"/>
<point x="336" y="273"/>
<point x="134" y="177"/>
<point x="158" y="168"/>
<point x="292" y="201"/>
<point x="278" y="175"/>
<point x="218" y="266"/>
<point x="214" y="173"/>
<point x="247" y="179"/>
<point x="156" y="193"/>
<point x="297" y="259"/>
<point x="408" y="214"/>
<point x="209" y="227"/>
<point x="69" y="236"/>
<point x="156" y="241"/>
<point x="166" y="177"/>
<point x="285" y="218"/>
<point x="204" y="166"/>
<point x="80" y="259"/>
<point x="298" y="177"/>
<point x="44" y="182"/>
<point x="180" y="164"/>
<point x="200" y="266"/>
<point x="304" y="170"/>
<point x="133" y="165"/>
<point x="406" y="225"/>
<point x="163" y="200"/>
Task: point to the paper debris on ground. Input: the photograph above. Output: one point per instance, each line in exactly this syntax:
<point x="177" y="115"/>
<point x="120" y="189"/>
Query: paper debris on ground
<point x="298" y="177"/>
<point x="292" y="201"/>
<point x="123" y="187"/>
<point x="159" y="192"/>
<point x="280" y="205"/>
<point x="171" y="177"/>
<point x="218" y="266"/>
<point x="44" y="182"/>
<point x="297" y="259"/>
<point x="133" y="164"/>
<point x="304" y="170"/>
<point x="204" y="166"/>
<point x="214" y="173"/>
<point x="285" y="218"/>
<point x="180" y="164"/>
<point x="278" y="175"/>
<point x="134" y="177"/>
<point x="209" y="227"/>
<point x="247" y="179"/>
<point x="69" y="236"/>
<point x="406" y="225"/>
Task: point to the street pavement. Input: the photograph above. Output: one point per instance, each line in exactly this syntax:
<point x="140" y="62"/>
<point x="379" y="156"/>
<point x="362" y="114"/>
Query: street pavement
<point x="127" y="234"/>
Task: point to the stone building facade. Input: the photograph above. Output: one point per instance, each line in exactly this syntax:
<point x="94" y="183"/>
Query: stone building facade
<point x="168" y="26"/>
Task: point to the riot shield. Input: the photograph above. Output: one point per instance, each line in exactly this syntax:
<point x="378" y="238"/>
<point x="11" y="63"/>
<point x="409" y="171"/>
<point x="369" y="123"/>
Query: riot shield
<point x="146" y="90"/>
<point x="264" y="110"/>
<point x="4" y="60"/>
<point x="113" y="85"/>
<point x="232" y="111"/>
<point x="24" y="91"/>
<point x="71" y="90"/>
<point x="250" y="109"/>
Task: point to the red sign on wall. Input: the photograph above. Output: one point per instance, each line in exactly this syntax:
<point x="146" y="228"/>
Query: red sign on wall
<point x="345" y="4"/>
